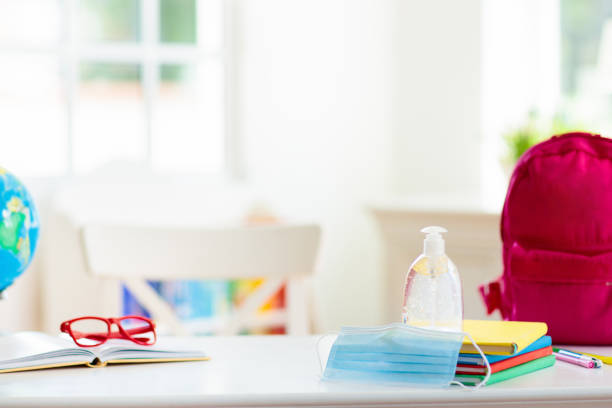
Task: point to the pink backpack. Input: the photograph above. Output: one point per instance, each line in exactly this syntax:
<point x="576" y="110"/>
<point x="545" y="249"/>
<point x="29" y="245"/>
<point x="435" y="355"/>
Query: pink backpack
<point x="556" y="229"/>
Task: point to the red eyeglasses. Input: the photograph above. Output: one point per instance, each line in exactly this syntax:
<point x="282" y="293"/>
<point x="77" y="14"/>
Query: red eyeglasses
<point x="91" y="331"/>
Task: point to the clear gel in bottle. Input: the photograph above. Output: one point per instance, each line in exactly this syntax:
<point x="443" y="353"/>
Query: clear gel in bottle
<point x="432" y="294"/>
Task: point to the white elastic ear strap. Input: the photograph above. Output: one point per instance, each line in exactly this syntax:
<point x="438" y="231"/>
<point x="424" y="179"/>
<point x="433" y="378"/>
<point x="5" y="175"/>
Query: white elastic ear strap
<point x="319" y="351"/>
<point x="487" y="365"/>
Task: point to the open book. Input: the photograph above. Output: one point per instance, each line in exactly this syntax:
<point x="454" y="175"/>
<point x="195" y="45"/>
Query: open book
<point x="33" y="350"/>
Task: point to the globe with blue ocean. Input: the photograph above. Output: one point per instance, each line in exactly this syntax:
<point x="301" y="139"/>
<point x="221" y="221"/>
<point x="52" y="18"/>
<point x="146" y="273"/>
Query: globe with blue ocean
<point x="19" y="227"/>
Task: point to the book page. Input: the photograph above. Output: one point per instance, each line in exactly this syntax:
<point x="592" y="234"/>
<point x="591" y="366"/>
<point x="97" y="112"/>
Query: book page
<point x="125" y="349"/>
<point x="26" y="347"/>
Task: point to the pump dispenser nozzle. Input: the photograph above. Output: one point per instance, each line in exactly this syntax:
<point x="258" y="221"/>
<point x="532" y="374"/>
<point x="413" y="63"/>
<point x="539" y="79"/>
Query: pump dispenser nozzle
<point x="433" y="244"/>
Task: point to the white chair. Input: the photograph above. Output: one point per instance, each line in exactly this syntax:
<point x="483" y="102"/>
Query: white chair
<point x="283" y="254"/>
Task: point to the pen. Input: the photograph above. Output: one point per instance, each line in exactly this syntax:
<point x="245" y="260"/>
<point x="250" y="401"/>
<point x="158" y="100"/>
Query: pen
<point x="572" y="354"/>
<point x="600" y="359"/>
<point x="574" y="360"/>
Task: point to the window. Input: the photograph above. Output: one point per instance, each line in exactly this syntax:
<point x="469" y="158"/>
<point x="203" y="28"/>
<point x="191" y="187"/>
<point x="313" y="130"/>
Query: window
<point x="586" y="62"/>
<point x="85" y="82"/>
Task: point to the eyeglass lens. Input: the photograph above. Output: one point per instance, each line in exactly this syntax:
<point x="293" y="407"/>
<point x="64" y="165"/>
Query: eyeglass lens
<point x="139" y="330"/>
<point x="89" y="332"/>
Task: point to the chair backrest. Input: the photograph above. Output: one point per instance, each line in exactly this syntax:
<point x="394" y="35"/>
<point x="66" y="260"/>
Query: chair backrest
<point x="132" y="254"/>
<point x="168" y="253"/>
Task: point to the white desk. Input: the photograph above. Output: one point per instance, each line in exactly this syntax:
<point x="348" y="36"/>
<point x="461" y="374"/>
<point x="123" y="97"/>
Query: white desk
<point x="280" y="371"/>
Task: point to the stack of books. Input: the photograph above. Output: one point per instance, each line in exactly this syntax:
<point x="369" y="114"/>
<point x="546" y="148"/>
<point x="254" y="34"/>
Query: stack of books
<point x="512" y="349"/>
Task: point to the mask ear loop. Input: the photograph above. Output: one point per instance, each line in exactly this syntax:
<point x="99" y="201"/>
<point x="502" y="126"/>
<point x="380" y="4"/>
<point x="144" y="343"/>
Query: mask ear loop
<point x="317" y="349"/>
<point x="487" y="365"/>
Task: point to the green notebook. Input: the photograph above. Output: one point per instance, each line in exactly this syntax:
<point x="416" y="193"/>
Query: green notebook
<point x="508" y="373"/>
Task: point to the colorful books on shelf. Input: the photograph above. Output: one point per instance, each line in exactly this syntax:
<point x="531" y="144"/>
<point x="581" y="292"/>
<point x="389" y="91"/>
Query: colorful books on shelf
<point x="512" y="349"/>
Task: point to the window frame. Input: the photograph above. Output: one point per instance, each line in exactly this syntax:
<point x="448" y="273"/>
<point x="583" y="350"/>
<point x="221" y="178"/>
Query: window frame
<point x="150" y="54"/>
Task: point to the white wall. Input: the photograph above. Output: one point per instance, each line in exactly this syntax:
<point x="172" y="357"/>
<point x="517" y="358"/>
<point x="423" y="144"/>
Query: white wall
<point x="315" y="120"/>
<point x="436" y="98"/>
<point x="345" y="102"/>
<point x="20" y="307"/>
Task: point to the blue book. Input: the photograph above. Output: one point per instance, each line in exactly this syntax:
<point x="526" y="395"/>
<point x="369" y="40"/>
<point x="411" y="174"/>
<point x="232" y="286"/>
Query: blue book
<point x="476" y="359"/>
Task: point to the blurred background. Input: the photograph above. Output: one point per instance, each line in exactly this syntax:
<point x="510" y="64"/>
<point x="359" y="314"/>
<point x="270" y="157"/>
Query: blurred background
<point x="371" y="118"/>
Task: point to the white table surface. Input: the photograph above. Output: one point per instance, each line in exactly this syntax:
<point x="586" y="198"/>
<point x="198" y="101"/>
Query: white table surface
<point x="253" y="371"/>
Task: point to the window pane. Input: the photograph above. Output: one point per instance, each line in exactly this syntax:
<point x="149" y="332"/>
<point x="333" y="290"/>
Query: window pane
<point x="177" y="21"/>
<point x="188" y="124"/>
<point x="109" y="115"/>
<point x="109" y="20"/>
<point x="582" y="30"/>
<point x="33" y="133"/>
<point x="29" y="22"/>
<point x="586" y="50"/>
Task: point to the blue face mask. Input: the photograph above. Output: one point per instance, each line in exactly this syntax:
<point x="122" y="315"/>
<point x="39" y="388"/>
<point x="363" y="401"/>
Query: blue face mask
<point x="396" y="353"/>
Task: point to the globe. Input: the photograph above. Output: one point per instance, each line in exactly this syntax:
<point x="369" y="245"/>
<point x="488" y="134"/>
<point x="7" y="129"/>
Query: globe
<point x="18" y="228"/>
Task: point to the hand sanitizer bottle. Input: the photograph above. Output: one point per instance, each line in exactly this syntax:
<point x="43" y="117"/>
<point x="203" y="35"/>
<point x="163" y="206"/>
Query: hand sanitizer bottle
<point x="432" y="295"/>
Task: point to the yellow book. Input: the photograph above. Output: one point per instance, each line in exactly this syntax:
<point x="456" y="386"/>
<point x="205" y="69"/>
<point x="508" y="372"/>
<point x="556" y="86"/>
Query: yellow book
<point x="501" y="337"/>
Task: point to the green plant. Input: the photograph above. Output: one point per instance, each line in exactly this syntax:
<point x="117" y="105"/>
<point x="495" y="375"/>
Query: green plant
<point x="535" y="130"/>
